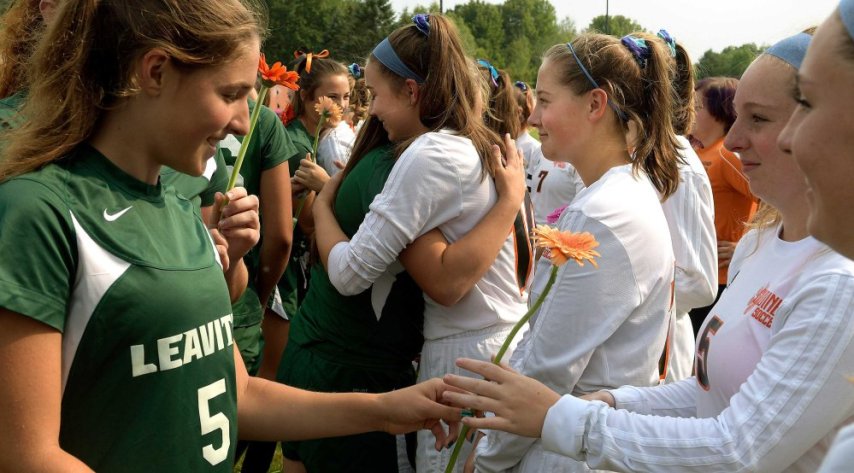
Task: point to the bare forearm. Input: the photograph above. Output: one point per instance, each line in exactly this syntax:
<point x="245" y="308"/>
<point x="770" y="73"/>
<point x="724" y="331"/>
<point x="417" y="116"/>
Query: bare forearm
<point x="275" y="331"/>
<point x="272" y="261"/>
<point x="236" y="278"/>
<point x="447" y="272"/>
<point x="53" y="460"/>
<point x="273" y="411"/>
<point x="466" y="261"/>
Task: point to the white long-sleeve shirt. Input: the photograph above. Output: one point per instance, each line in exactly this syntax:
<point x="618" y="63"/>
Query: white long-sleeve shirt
<point x="690" y="214"/>
<point x="840" y="458"/>
<point x="436" y="182"/>
<point x="772" y="386"/>
<point x="597" y="327"/>
<point x="335" y="145"/>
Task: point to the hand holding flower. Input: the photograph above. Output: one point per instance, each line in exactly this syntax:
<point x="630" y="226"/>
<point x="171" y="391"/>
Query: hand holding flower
<point x="311" y="175"/>
<point x="239" y="222"/>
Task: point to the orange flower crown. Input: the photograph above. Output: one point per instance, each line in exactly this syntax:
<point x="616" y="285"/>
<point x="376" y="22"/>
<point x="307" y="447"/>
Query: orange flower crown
<point x="564" y="246"/>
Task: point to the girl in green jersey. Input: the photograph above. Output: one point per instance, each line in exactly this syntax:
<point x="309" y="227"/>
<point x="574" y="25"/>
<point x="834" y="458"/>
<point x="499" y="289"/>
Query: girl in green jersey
<point x="116" y="350"/>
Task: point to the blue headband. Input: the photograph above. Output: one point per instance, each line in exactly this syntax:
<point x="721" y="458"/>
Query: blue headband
<point x="521" y="86"/>
<point x="385" y="54"/>
<point x="493" y="72"/>
<point x="792" y="49"/>
<point x="595" y="85"/>
<point x="846" y="12"/>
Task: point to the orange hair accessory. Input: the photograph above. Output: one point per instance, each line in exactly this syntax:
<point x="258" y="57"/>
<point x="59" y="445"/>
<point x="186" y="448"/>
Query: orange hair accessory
<point x="308" y="57"/>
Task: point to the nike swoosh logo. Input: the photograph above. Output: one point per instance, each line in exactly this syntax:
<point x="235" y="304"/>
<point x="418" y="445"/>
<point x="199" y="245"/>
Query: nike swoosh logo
<point x="111" y="217"/>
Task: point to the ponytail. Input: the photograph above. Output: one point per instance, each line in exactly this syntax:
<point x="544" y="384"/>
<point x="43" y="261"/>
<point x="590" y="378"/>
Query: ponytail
<point x="683" y="84"/>
<point x="84" y="64"/>
<point x="502" y="115"/>
<point x="657" y="149"/>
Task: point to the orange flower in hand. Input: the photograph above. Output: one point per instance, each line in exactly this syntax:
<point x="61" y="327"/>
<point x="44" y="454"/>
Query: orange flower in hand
<point x="277" y="74"/>
<point x="329" y="111"/>
<point x="564" y="246"/>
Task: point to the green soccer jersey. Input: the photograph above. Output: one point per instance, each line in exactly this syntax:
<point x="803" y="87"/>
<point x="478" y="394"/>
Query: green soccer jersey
<point x="382" y="326"/>
<point x="200" y="190"/>
<point x="128" y="273"/>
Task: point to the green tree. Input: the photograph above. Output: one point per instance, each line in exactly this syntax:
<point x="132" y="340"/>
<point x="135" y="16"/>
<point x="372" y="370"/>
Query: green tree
<point x="484" y="21"/>
<point x="566" y="30"/>
<point x="616" y="25"/>
<point x="730" y="62"/>
<point x="347" y="28"/>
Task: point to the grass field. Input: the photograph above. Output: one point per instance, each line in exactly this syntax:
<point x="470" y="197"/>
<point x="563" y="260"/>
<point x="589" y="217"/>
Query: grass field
<point x="275" y="466"/>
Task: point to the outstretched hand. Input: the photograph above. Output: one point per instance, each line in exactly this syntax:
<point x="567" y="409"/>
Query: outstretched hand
<point x="420" y="407"/>
<point x="519" y="403"/>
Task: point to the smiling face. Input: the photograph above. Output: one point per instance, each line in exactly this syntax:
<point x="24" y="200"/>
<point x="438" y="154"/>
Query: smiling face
<point x="763" y="104"/>
<point x="200" y="108"/>
<point x="558" y="117"/>
<point x="821" y="134"/>
<point x="392" y="105"/>
<point x="334" y="86"/>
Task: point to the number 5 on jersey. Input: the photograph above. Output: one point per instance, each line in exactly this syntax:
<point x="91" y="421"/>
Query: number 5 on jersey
<point x="211" y="423"/>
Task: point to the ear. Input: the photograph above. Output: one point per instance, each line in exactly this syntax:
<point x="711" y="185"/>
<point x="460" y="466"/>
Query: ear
<point x="47" y="9"/>
<point x="413" y="90"/>
<point x="153" y="69"/>
<point x="303" y="94"/>
<point x="597" y="104"/>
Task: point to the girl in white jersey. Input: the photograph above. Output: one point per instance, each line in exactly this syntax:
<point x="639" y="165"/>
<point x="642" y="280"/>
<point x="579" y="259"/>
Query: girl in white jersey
<point x="602" y="327"/>
<point x="425" y="94"/>
<point x="116" y="349"/>
<point x="819" y="134"/>
<point x="690" y="217"/>
<point x="774" y="355"/>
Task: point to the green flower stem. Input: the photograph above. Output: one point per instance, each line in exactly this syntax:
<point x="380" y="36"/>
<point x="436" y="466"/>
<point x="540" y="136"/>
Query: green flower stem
<point x="320" y="123"/>
<point x="497" y="360"/>
<point x="256" y="112"/>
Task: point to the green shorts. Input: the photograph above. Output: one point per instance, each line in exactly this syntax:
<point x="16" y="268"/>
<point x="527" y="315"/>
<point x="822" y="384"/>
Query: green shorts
<point x="304" y="368"/>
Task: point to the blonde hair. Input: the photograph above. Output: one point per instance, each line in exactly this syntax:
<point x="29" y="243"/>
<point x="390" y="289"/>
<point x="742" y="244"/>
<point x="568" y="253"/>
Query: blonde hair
<point x="20" y="29"/>
<point x="84" y="64"/>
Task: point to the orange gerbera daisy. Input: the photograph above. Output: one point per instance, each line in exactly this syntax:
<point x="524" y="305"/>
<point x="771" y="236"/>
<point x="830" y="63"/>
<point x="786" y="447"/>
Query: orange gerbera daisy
<point x="564" y="246"/>
<point x="329" y="111"/>
<point x="277" y="74"/>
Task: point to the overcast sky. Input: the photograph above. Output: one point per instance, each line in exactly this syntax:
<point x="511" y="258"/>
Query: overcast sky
<point x="699" y="25"/>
